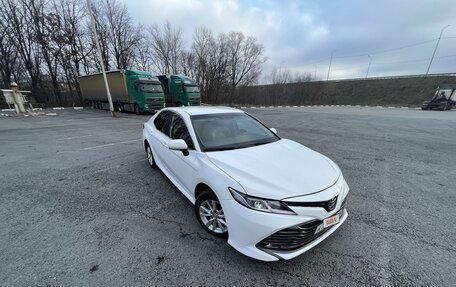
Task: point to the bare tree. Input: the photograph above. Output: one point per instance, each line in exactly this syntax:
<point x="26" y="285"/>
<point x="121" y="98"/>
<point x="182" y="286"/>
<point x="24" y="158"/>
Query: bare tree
<point x="69" y="33"/>
<point x="285" y="76"/>
<point x="8" y="47"/>
<point x="188" y="63"/>
<point x="44" y="25"/>
<point x="143" y="55"/>
<point x="281" y="76"/>
<point x="211" y="63"/>
<point x="203" y="43"/>
<point x="23" y="32"/>
<point x="218" y="68"/>
<point x="167" y="46"/>
<point x="303" y="77"/>
<point x="123" y="35"/>
<point x="245" y="57"/>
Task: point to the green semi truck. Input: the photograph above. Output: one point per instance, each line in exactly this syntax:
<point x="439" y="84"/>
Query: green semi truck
<point x="133" y="91"/>
<point x="180" y="90"/>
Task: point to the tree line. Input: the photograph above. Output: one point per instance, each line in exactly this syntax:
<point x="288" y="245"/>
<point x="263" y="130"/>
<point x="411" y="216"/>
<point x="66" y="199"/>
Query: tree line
<point x="45" y="45"/>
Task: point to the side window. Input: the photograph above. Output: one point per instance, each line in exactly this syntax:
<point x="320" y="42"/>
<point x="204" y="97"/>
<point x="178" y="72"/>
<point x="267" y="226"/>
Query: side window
<point x="159" y="120"/>
<point x="162" y="122"/>
<point x="179" y="131"/>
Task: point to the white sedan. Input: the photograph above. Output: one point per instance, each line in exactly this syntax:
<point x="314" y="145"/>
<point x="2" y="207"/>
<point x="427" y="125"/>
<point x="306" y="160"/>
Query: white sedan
<point x="271" y="197"/>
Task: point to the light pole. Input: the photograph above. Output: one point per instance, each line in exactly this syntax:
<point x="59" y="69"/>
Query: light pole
<point x="100" y="58"/>
<point x="368" y="67"/>
<point x="435" y="49"/>
<point x="329" y="68"/>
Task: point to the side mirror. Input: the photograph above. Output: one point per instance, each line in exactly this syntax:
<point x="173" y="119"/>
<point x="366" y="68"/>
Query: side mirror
<point x="178" y="144"/>
<point x="273" y="130"/>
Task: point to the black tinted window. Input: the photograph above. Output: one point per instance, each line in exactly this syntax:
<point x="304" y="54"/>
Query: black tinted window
<point x="179" y="131"/>
<point x="159" y="120"/>
<point x="162" y="122"/>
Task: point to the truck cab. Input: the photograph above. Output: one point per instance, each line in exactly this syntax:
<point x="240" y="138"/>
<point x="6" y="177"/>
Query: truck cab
<point x="180" y="90"/>
<point x="444" y="99"/>
<point x="145" y="89"/>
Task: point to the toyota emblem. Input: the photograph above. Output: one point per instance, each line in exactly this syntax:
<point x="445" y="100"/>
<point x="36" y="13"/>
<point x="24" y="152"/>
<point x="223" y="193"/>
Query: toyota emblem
<point x="332" y="203"/>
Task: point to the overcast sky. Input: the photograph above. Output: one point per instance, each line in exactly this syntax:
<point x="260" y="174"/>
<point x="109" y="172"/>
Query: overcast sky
<point x="301" y="35"/>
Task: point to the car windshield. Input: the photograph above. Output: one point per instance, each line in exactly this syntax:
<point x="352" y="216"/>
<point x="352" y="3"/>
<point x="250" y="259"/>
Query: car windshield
<point x="217" y="132"/>
<point x="191" y="89"/>
<point x="444" y="94"/>
<point x="150" y="88"/>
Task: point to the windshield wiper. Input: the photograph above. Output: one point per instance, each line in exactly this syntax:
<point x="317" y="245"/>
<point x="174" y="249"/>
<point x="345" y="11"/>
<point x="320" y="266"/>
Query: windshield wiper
<point x="224" y="148"/>
<point x="237" y="147"/>
<point x="262" y="143"/>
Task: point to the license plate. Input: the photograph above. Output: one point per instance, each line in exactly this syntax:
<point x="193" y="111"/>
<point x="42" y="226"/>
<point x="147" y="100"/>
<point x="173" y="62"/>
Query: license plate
<point x="331" y="221"/>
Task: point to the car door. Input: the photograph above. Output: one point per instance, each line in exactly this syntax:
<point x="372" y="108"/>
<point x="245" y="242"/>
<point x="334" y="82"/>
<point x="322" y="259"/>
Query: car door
<point x="182" y="166"/>
<point x="161" y="137"/>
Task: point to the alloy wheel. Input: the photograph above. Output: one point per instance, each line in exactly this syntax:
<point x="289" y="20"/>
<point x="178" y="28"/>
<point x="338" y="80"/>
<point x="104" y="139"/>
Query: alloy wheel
<point x="150" y="158"/>
<point x="212" y="216"/>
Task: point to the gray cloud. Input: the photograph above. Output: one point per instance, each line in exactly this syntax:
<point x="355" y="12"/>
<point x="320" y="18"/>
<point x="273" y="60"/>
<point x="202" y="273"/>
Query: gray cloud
<point x="300" y="35"/>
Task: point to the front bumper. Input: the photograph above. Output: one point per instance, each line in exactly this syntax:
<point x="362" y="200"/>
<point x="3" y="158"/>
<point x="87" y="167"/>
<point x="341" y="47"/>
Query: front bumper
<point x="248" y="229"/>
<point x="154" y="104"/>
<point x="194" y="103"/>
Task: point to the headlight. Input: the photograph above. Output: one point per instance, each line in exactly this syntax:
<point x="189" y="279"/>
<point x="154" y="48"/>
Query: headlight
<point x="345" y="188"/>
<point x="261" y="204"/>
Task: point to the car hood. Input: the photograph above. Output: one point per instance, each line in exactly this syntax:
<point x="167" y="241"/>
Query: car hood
<point x="277" y="170"/>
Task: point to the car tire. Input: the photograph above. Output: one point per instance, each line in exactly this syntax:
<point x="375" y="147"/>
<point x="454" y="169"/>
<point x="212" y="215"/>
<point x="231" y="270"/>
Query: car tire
<point x="119" y="107"/>
<point x="150" y="157"/>
<point x="210" y="215"/>
<point x="137" y="109"/>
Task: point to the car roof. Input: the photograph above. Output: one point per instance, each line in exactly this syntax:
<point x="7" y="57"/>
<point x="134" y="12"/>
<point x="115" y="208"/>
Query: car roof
<point x="204" y="110"/>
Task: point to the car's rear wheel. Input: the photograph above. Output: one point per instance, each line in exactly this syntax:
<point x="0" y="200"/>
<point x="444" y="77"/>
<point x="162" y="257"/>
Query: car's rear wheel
<point x="210" y="215"/>
<point x="137" y="109"/>
<point x="119" y="107"/>
<point x="150" y="157"/>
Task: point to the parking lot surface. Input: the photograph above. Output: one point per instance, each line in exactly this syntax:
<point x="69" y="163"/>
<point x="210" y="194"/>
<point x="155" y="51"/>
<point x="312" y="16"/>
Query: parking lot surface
<point x="79" y="204"/>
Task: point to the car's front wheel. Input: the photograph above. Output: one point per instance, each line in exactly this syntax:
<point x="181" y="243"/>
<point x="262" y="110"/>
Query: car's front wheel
<point x="210" y="215"/>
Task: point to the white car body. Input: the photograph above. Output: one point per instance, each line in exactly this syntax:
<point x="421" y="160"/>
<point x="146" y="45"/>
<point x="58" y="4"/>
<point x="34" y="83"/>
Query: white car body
<point x="282" y="170"/>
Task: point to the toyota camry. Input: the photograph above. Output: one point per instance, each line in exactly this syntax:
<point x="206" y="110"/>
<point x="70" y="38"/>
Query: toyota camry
<point x="271" y="197"/>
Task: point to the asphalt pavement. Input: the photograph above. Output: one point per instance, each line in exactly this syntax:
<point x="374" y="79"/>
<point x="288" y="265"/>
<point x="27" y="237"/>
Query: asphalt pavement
<point x="79" y="204"/>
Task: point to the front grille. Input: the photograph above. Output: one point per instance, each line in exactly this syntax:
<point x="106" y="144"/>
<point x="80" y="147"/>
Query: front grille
<point x="294" y="237"/>
<point x="329" y="205"/>
<point x="154" y="103"/>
